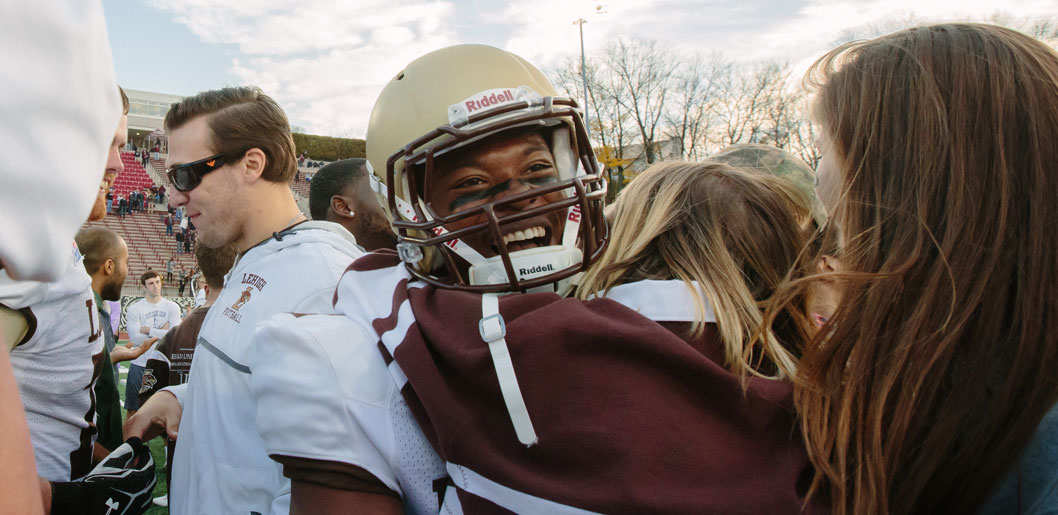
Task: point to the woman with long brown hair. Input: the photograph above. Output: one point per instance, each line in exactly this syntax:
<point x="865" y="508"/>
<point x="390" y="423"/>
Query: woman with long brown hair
<point x="932" y="377"/>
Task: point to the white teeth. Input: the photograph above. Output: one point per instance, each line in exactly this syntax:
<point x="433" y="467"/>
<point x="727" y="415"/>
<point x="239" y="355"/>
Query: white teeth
<point x="527" y="234"/>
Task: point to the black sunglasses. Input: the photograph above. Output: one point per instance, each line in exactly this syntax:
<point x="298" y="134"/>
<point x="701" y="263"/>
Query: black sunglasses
<point x="188" y="175"/>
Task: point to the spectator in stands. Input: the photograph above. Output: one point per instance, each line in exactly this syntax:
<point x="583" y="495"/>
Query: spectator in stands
<point x="179" y="238"/>
<point x="123" y="205"/>
<point x="169" y="267"/>
<point x="192" y="236"/>
<point x="169" y="224"/>
<point x="187" y="241"/>
<point x="110" y="199"/>
<point x="183" y="280"/>
<point x="161" y="194"/>
<point x="342" y="194"/>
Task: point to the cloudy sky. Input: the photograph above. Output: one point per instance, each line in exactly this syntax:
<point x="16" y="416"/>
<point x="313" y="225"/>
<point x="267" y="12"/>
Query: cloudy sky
<point x="326" y="60"/>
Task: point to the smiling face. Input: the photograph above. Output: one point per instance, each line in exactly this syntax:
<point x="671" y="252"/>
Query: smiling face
<point x="492" y="170"/>
<point x="214" y="205"/>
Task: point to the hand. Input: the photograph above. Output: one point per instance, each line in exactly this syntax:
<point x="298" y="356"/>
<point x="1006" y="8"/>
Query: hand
<point x="122" y="483"/>
<point x="160" y="414"/>
<point x="164" y="326"/>
<point x="127" y="351"/>
<point x="145" y="330"/>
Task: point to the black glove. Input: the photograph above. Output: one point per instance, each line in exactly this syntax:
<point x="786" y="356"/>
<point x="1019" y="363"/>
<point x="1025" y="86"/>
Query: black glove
<point x="122" y="484"/>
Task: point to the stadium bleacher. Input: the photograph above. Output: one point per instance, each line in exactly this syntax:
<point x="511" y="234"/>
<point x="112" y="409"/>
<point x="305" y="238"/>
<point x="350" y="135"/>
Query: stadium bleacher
<point x="133" y="178"/>
<point x="144" y="233"/>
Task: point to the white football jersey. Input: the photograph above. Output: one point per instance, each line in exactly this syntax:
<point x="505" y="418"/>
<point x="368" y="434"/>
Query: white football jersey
<point x="220" y="464"/>
<point x="56" y="365"/>
<point x="326" y="394"/>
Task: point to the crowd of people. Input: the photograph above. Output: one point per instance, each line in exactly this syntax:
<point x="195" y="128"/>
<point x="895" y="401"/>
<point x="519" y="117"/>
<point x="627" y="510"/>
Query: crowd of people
<point x="466" y="325"/>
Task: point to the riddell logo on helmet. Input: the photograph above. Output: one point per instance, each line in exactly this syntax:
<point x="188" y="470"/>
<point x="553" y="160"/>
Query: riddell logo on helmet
<point x="538" y="269"/>
<point x="489" y="100"/>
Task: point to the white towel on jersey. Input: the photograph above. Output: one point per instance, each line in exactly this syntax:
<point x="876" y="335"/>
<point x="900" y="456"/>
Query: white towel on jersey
<point x="220" y="464"/>
<point x="56" y="365"/>
<point x="56" y="135"/>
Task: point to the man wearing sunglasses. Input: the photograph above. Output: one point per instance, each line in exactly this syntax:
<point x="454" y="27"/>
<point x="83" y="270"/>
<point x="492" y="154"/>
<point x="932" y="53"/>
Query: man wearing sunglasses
<point x="231" y="163"/>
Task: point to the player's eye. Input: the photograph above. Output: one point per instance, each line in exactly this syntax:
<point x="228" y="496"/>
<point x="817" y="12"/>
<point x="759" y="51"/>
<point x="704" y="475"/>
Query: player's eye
<point x="468" y="182"/>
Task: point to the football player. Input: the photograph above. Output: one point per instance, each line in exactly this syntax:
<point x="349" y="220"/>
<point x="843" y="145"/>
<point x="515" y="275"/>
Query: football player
<point x="342" y="192"/>
<point x="231" y="162"/>
<point x="57" y="355"/>
<point x="434" y="393"/>
<point x="63" y="42"/>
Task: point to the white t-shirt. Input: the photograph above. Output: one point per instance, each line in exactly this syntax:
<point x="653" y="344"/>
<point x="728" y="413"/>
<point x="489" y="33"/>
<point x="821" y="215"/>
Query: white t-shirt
<point x="144" y="313"/>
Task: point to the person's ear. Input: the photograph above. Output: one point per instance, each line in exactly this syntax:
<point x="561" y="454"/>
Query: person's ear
<point x="254" y="162"/>
<point x="342" y="207"/>
<point x="828" y="264"/>
<point x="108" y="267"/>
<point x="205" y="288"/>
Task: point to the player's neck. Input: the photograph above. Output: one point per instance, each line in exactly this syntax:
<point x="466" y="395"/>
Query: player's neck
<point x="274" y="211"/>
<point x="153" y="299"/>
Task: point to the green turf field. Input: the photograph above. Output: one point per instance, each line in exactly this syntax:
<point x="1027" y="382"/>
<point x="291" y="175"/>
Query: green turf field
<point x="157" y="445"/>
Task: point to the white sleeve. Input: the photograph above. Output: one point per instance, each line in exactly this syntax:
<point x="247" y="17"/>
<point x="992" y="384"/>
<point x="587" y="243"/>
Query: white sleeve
<point x="178" y="391"/>
<point x="20" y="294"/>
<point x="172" y="317"/>
<point x="155" y="333"/>
<point x="322" y="392"/>
<point x="133" y="323"/>
<point x="58" y="81"/>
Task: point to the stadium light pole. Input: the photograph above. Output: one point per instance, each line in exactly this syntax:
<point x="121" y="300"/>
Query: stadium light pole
<point x="583" y="74"/>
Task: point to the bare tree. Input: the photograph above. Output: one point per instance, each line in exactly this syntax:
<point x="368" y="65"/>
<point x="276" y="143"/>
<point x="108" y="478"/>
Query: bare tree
<point x="610" y="121"/>
<point x="745" y="94"/>
<point x="643" y="70"/>
<point x="695" y="91"/>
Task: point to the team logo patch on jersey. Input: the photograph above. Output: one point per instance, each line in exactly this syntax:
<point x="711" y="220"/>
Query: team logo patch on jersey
<point x="243" y="299"/>
<point x="233" y="311"/>
<point x="148" y="380"/>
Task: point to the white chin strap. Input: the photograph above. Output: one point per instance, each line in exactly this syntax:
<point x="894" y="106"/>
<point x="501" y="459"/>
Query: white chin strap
<point x="494" y="332"/>
<point x="527" y="263"/>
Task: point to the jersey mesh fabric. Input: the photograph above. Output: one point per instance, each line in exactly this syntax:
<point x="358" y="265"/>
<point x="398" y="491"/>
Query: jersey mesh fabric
<point x="417" y="463"/>
<point x="56" y="368"/>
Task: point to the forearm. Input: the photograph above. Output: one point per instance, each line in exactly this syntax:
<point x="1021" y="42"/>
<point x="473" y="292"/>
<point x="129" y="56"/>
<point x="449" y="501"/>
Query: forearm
<point x="45" y="494"/>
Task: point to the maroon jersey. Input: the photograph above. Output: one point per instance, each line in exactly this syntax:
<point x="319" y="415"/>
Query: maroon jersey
<point x="631" y="413"/>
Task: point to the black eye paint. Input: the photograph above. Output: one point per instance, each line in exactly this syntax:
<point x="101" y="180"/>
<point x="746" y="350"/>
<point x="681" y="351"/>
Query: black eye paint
<point x="485" y="194"/>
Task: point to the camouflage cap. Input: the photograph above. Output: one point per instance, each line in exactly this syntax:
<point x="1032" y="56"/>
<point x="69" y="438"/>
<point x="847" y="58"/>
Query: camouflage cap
<point x="775" y="161"/>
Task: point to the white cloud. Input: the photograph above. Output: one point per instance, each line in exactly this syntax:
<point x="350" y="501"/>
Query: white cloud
<point x="323" y="61"/>
<point x="326" y="60"/>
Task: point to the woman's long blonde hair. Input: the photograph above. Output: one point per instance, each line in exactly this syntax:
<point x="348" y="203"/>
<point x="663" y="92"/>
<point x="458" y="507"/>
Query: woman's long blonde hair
<point x="735" y="234"/>
<point x="942" y="358"/>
